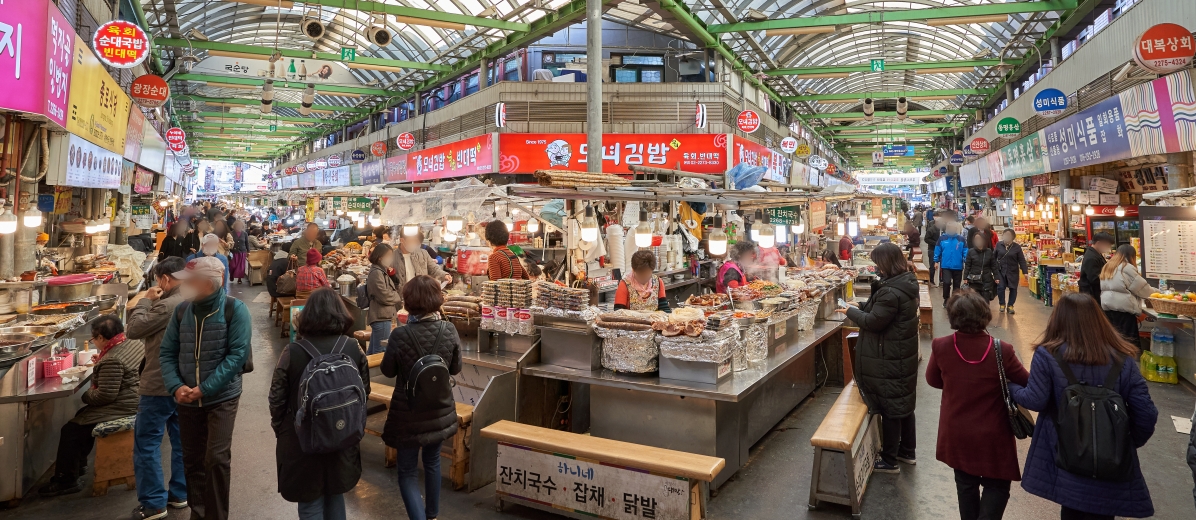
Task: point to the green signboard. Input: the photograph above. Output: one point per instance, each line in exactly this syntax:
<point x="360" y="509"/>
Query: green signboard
<point x="350" y="203"/>
<point x="273" y="128"/>
<point x="878" y="65"/>
<point x="886" y="206"/>
<point x="1008" y="126"/>
<point x="355" y="175"/>
<point x="348" y="54"/>
<point x="786" y="216"/>
<point x="1025" y="157"/>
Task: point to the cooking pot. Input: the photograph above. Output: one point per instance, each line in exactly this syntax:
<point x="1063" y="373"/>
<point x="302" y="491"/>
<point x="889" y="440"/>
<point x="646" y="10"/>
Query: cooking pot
<point x="68" y="292"/>
<point x="15" y="344"/>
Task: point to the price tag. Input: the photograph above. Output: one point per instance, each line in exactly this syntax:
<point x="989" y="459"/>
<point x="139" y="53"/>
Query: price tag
<point x="31" y="373"/>
<point x="780" y="329"/>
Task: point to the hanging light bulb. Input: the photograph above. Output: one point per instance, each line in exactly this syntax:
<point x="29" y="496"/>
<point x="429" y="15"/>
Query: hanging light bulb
<point x="643" y="231"/>
<point x="798" y="228"/>
<point x="1051" y="199"/>
<point x="375" y="218"/>
<point x="163" y="203"/>
<point x="449" y="236"/>
<point x="853" y="228"/>
<point x="1075" y="208"/>
<point x="1031" y="212"/>
<point x="840" y="229"/>
<point x="589" y="226"/>
<point x="717" y="242"/>
<point x="90" y="227"/>
<point x="33" y="217"/>
<point x="102" y="227"/>
<point x="1119" y="211"/>
<point x="455" y="223"/>
<point x="509" y="223"/>
<point x="767" y="236"/>
<point x="1039" y="206"/>
<point x="533" y="225"/>
<point x="782" y="233"/>
<point x="8" y="222"/>
<point x="410" y="229"/>
<point x="892" y="222"/>
<point x="1089" y="210"/>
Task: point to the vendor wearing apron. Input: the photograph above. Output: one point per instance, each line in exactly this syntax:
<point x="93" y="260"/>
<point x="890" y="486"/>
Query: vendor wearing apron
<point x="732" y="274"/>
<point x="640" y="290"/>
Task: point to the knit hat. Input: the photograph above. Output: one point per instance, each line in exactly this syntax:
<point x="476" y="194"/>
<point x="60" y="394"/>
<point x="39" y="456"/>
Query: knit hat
<point x="314" y="256"/>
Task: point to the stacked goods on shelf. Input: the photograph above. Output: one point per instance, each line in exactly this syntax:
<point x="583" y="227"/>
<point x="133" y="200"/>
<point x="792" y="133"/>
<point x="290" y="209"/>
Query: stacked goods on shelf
<point x="549" y="295"/>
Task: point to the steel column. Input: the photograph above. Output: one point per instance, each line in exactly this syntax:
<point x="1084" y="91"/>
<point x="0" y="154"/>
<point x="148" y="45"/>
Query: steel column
<point x="594" y="85"/>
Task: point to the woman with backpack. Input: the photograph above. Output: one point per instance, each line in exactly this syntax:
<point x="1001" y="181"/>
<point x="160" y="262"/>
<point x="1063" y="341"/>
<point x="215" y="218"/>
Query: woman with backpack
<point x="317" y="481"/>
<point x="1082" y="361"/>
<point x="975" y="438"/>
<point x="383" y="294"/>
<point x="422" y="412"/>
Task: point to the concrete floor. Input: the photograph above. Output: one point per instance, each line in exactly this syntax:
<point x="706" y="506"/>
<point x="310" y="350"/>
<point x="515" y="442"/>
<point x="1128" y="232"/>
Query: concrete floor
<point x="774" y="485"/>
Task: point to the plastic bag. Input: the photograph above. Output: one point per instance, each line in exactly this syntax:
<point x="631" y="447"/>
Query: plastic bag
<point x="554" y="213"/>
<point x="742" y="175"/>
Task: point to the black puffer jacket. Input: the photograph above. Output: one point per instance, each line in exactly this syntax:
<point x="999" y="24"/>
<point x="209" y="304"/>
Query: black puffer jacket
<point x="887" y="351"/>
<point x="407" y="428"/>
<point x="980" y="271"/>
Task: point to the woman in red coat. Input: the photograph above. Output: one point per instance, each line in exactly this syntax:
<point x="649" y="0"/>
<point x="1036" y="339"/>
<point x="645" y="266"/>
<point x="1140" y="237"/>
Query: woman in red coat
<point x="974" y="434"/>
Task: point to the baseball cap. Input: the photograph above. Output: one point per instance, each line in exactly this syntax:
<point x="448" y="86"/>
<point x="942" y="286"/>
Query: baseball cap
<point x="206" y="266"/>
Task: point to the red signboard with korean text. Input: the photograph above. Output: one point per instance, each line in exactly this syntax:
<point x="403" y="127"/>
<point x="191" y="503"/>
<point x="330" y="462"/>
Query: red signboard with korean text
<point x="378" y="149"/>
<point x="149" y="91"/>
<point x="1164" y="48"/>
<point x="396" y="168"/>
<point x="120" y="44"/>
<point x="980" y="145"/>
<point x="472" y="156"/>
<point x="755" y="154"/>
<point x="697" y="153"/>
<point x="748" y="121"/>
<point x="405" y="141"/>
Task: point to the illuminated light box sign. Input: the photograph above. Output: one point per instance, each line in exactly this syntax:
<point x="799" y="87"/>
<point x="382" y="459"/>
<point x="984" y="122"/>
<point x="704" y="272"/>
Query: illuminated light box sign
<point x="697" y="153"/>
<point x="36" y="44"/>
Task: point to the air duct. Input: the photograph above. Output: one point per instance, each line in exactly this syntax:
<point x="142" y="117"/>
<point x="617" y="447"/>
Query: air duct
<point x="378" y="34"/>
<point x="869" y="109"/>
<point x="902" y="108"/>
<point x="312" y="26"/>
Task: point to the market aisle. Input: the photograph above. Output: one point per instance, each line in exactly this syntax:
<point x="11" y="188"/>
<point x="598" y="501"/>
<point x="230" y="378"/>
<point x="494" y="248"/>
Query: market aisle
<point x="775" y="485"/>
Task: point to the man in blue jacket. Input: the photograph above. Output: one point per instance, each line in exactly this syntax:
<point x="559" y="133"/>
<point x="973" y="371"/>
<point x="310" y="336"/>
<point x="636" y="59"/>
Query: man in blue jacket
<point x="949" y="253"/>
<point x="203" y="353"/>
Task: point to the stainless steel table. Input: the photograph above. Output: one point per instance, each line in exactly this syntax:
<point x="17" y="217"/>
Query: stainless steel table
<point x="722" y="420"/>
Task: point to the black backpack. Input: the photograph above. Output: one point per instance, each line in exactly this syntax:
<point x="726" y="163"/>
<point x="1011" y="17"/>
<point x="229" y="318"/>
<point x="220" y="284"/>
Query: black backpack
<point x="363" y="296"/>
<point x="429" y="384"/>
<point x="229" y="307"/>
<point x="331" y="412"/>
<point x="1093" y="426"/>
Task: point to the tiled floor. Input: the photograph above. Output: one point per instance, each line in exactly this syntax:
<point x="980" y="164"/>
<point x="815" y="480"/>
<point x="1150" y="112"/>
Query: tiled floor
<point x="774" y="485"/>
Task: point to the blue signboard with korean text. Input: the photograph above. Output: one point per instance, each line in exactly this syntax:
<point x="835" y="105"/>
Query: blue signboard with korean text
<point x="358" y="155"/>
<point x="897" y="150"/>
<point x="1095" y="135"/>
<point x="1050" y="102"/>
<point x="372" y="172"/>
<point x="953" y="183"/>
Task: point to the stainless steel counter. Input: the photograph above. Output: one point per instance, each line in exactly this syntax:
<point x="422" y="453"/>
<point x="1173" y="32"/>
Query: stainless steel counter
<point x="721" y="420"/>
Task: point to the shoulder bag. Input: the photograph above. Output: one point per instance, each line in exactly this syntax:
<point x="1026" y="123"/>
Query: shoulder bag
<point x="1020" y="420"/>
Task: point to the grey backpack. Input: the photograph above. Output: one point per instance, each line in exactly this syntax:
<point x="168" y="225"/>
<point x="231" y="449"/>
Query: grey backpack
<point x="331" y="412"/>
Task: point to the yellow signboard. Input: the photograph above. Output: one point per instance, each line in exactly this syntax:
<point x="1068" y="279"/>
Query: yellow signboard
<point x="99" y="110"/>
<point x="312" y="203"/>
<point x="1019" y="193"/>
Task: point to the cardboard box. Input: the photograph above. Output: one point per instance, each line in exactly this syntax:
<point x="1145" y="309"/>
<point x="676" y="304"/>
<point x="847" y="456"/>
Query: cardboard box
<point x="1081" y="197"/>
<point x="1103" y="185"/>
<point x="1109" y="199"/>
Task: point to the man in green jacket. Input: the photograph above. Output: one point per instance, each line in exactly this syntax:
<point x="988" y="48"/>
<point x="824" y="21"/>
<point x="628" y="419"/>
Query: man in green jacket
<point x="203" y="353"/>
<point x="307" y="241"/>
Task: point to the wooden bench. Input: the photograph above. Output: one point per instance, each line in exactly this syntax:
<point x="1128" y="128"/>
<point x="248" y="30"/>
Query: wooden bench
<point x="845" y="449"/>
<point x="258" y="262"/>
<point x="925" y="309"/>
<point x="921" y="272"/>
<point x="630" y="468"/>
<point x="457" y="450"/>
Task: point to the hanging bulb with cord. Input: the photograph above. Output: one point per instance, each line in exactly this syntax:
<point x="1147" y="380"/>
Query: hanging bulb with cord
<point x="589" y="225"/>
<point x="717" y="242"/>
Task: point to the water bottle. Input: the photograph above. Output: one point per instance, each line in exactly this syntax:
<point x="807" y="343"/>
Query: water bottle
<point x="1163" y="285"/>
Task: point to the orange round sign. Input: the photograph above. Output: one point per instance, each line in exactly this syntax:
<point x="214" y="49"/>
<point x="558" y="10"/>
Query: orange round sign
<point x="149" y="91"/>
<point x="1164" y="48"/>
<point x="378" y="148"/>
<point x="120" y="44"/>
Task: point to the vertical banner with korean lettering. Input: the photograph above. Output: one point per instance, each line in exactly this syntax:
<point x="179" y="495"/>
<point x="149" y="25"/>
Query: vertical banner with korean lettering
<point x="35" y="58"/>
<point x="697" y="153"/>
<point x="755" y="154"/>
<point x="599" y="490"/>
<point x="817" y="215"/>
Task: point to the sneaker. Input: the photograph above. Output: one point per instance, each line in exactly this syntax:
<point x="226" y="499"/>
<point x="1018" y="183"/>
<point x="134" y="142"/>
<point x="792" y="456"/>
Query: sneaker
<point x="1001" y="308"/>
<point x="884" y="467"/>
<point x="1010" y="310"/>
<point x="176" y="503"/>
<point x="907" y="460"/>
<point x="145" y="513"/>
<point x="56" y="488"/>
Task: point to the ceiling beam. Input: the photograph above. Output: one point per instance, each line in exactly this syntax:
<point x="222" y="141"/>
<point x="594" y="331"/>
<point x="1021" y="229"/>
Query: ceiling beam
<point x="253" y="139"/>
<point x="914" y="126"/>
<point x="897" y="66"/>
<point x="880" y="135"/>
<point x="424" y="14"/>
<point x="913" y="114"/>
<point x="258" y="103"/>
<point x="1066" y="22"/>
<point x="907" y="15"/>
<point x="295" y="85"/>
<point x="266" y="117"/>
<point x="263" y="52"/>
<point x="845" y="96"/>
<point x="218" y="129"/>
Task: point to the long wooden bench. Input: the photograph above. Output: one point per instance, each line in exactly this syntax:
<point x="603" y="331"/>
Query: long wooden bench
<point x="845" y="449"/>
<point x="457" y="450"/>
<point x="564" y="455"/>
<point x="925" y="308"/>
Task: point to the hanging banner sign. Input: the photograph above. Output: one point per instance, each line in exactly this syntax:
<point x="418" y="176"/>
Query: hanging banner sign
<point x="405" y="141"/>
<point x="817" y="216"/>
<point x="700" y="116"/>
<point x="176" y="138"/>
<point x="143" y="181"/>
<point x="300" y="168"/>
<point x="755" y="154"/>
<point x="1164" y="48"/>
<point x="378" y="149"/>
<point x="177" y="147"/>
<point x="957" y="157"/>
<point x="35" y="59"/>
<point x="334" y="160"/>
<point x="788" y="145"/>
<point x="898" y="150"/>
<point x="748" y="121"/>
<point x="321" y="163"/>
<point x="500" y="115"/>
<point x="1050" y="102"/>
<point x="979" y="145"/>
<point x="373" y="173"/>
<point x="99" y="107"/>
<point x="396" y="168"/>
<point x="472" y="156"/>
<point x="149" y="91"/>
<point x="289" y="171"/>
<point x="786" y="216"/>
<point x="358" y="155"/>
<point x="968" y="152"/>
<point x="1009" y="126"/>
<point x="120" y="44"/>
<point x="698" y="153"/>
<point x="803" y="149"/>
<point x="818" y="162"/>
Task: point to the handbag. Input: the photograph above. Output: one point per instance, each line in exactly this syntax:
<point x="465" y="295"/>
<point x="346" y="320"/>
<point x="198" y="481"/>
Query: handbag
<point x="1020" y="420"/>
<point x="286" y="284"/>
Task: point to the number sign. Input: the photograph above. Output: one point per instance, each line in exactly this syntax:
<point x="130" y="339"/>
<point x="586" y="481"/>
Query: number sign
<point x="149" y="91"/>
<point x="1164" y="48"/>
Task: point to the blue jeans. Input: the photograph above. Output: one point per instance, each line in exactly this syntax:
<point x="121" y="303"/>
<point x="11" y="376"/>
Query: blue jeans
<point x="156" y="416"/>
<point x="327" y="507"/>
<point x="379" y="330"/>
<point x="1007" y="283"/>
<point x="418" y="509"/>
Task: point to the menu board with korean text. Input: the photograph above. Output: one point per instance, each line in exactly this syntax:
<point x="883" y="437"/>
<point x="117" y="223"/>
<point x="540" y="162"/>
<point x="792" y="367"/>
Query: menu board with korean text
<point x="141" y="216"/>
<point x="90" y="166"/>
<point x="1169" y="249"/>
<point x="592" y="489"/>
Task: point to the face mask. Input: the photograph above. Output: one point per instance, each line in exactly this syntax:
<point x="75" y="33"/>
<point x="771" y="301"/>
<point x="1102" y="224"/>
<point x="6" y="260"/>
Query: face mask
<point x="386" y="261"/>
<point x="188" y="293"/>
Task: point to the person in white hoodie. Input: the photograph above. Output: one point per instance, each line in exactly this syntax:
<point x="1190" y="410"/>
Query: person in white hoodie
<point x="1122" y="290"/>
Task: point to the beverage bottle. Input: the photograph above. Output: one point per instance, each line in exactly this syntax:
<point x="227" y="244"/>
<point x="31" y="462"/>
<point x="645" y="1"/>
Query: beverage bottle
<point x="302" y="70"/>
<point x="291" y="69"/>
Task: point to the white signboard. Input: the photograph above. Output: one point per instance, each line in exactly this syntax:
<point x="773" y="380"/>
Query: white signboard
<point x="1169" y="249"/>
<point x="286" y="69"/>
<point x="601" y="490"/>
<point x="90" y="166"/>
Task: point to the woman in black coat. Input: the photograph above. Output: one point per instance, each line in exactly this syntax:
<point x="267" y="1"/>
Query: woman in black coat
<point x="887" y="354"/>
<point x="980" y="267"/>
<point x="1011" y="263"/>
<point x="316" y="481"/>
<point x="409" y="429"/>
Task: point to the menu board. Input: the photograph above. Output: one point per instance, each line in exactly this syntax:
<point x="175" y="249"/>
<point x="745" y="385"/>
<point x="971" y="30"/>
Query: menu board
<point x="91" y="166"/>
<point x="1169" y="249"/>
